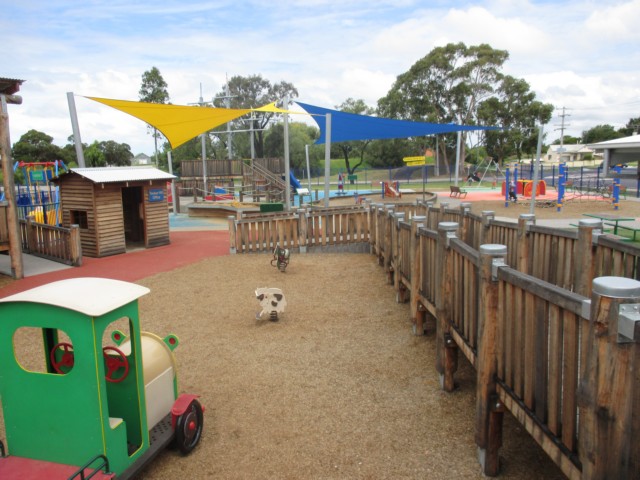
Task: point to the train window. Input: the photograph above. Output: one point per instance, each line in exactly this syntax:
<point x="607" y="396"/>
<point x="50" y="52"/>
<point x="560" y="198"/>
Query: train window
<point x="36" y="348"/>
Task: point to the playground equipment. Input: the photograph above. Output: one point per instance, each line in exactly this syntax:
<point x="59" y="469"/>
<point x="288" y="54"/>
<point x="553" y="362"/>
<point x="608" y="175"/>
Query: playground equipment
<point x="272" y="302"/>
<point x="37" y="197"/>
<point x="487" y="165"/>
<point x="391" y="190"/>
<point x="85" y="393"/>
<point x="280" y="258"/>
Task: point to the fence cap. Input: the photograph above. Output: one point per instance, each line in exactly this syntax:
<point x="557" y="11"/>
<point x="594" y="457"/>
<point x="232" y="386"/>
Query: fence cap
<point x="527" y="216"/>
<point x="616" y="287"/>
<point x="493" y="249"/>
<point x="448" y="226"/>
<point x="486" y="213"/>
<point x="418" y="218"/>
<point x="590" y="222"/>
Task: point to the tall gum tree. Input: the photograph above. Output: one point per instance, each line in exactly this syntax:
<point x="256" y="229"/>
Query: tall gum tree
<point x="154" y="90"/>
<point x="446" y="86"/>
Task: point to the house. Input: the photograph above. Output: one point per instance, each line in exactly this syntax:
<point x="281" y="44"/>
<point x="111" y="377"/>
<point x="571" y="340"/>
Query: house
<point x="116" y="208"/>
<point x="141" y="159"/>
<point x="568" y="153"/>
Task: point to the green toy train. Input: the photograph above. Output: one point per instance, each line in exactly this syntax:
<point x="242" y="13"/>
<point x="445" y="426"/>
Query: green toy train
<point x="85" y="393"/>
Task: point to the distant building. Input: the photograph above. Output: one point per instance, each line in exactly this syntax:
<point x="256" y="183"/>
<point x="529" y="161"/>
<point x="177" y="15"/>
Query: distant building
<point x="568" y="153"/>
<point x="141" y="159"/>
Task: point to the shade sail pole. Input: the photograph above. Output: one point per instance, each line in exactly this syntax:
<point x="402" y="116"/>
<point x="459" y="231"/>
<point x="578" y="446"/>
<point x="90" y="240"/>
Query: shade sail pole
<point x="204" y="163"/>
<point x="327" y="157"/>
<point x="536" y="167"/>
<point x="287" y="180"/>
<point x="173" y="183"/>
<point x="306" y="154"/>
<point x="75" y="128"/>
<point x="457" y="158"/>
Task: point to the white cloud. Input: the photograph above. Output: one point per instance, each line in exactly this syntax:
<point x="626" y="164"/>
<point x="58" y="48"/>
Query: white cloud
<point x="581" y="55"/>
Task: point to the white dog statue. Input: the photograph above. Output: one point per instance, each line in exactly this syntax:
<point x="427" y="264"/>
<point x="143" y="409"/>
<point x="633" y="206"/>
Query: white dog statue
<point x="272" y="302"/>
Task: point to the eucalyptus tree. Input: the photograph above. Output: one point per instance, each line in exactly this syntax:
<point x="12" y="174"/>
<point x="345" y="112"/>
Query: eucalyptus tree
<point x="252" y="92"/>
<point x="515" y="109"/>
<point x="359" y="107"/>
<point x="446" y="86"/>
<point x="154" y="90"/>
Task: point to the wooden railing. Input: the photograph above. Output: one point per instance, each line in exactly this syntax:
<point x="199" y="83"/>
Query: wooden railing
<point x="300" y="230"/>
<point x="549" y="350"/>
<point x="548" y="318"/>
<point x="53" y="243"/>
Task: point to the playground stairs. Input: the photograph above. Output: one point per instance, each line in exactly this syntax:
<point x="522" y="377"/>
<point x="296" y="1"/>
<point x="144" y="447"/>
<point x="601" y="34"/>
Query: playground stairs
<point x="263" y="183"/>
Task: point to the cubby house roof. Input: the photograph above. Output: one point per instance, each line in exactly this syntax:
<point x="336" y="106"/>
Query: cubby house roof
<point x="122" y="174"/>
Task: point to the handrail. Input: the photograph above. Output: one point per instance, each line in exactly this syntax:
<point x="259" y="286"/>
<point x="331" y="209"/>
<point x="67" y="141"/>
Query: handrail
<point x="80" y="473"/>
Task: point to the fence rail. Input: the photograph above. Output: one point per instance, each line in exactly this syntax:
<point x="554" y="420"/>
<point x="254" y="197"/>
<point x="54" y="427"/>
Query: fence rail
<point x="53" y="243"/>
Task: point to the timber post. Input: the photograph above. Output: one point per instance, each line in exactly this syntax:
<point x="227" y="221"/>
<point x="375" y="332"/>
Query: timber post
<point x="487" y="217"/>
<point x="232" y="234"/>
<point x="302" y="229"/>
<point x="396" y="258"/>
<point x="489" y="408"/>
<point x="465" y="208"/>
<point x="446" y="349"/>
<point x="75" y="245"/>
<point x="588" y="229"/>
<point x="388" y="229"/>
<point x="522" y="243"/>
<point x="609" y="390"/>
<point x="415" y="258"/>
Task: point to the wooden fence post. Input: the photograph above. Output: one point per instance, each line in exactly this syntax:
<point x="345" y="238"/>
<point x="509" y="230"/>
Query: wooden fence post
<point x="609" y="390"/>
<point x="75" y="246"/>
<point x="522" y="242"/>
<point x="415" y="258"/>
<point x="465" y="208"/>
<point x="302" y="229"/>
<point x="388" y="235"/>
<point x="446" y="348"/>
<point x="232" y="234"/>
<point x="396" y="258"/>
<point x="585" y="268"/>
<point x="489" y="409"/>
<point x="32" y="235"/>
<point x="487" y="218"/>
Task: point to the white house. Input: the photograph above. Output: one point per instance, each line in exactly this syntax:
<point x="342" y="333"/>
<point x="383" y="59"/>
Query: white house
<point x="141" y="159"/>
<point x="567" y="153"/>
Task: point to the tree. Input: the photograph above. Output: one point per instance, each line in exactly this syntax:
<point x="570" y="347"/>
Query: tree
<point x="300" y="134"/>
<point x="600" y="133"/>
<point x="516" y="110"/>
<point x="251" y="92"/>
<point x="632" y="127"/>
<point x="94" y="156"/>
<point x="154" y="90"/>
<point x="358" y="107"/>
<point x="116" y="154"/>
<point x="35" y="146"/>
<point x="445" y="86"/>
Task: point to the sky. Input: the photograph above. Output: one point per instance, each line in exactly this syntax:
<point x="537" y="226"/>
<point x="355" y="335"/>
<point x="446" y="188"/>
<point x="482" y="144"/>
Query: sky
<point x="580" y="56"/>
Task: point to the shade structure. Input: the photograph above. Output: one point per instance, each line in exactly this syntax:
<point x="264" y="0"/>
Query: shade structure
<point x="350" y="126"/>
<point x="179" y="123"/>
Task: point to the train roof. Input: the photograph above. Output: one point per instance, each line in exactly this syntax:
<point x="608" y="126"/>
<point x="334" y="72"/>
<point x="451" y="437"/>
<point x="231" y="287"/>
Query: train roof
<point x="88" y="295"/>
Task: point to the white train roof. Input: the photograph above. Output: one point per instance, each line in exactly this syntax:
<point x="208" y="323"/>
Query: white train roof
<point x="88" y="295"/>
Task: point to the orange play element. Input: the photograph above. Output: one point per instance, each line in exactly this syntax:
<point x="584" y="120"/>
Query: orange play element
<point x="390" y="190"/>
<point x="525" y="187"/>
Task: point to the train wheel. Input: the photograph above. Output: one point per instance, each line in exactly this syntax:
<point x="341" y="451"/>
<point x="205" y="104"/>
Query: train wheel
<point x="189" y="428"/>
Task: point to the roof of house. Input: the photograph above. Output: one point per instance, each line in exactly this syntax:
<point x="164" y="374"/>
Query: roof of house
<point x="9" y="86"/>
<point x="571" y="148"/>
<point x="122" y="174"/>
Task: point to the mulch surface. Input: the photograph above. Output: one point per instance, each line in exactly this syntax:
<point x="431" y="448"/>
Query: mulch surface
<point x="338" y="388"/>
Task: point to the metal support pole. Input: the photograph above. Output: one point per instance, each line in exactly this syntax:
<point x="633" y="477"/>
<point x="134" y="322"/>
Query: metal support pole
<point x="287" y="180"/>
<point x="327" y="158"/>
<point x="173" y="183"/>
<point x="76" y="129"/>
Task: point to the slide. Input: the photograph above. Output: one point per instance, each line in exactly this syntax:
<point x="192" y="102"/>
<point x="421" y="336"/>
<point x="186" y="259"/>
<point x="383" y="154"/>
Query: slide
<point x="390" y="191"/>
<point x="294" y="181"/>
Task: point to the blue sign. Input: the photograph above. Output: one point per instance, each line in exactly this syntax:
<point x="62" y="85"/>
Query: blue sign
<point x="156" y="195"/>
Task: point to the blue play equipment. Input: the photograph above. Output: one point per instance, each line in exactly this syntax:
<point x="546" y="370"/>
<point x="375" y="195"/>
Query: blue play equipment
<point x="294" y="181"/>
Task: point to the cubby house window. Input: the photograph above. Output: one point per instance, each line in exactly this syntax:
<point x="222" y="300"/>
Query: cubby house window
<point x="79" y="217"/>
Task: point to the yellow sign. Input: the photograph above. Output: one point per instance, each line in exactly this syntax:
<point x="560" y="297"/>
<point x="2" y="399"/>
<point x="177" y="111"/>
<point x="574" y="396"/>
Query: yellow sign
<point x="419" y="160"/>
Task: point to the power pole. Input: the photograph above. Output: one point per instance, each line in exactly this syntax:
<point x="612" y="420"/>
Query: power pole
<point x="562" y="129"/>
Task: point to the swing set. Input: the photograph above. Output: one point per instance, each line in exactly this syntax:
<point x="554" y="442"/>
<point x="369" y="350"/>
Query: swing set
<point x="489" y="165"/>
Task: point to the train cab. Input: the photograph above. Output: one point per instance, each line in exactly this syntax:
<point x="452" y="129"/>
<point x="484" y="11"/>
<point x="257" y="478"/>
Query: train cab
<point x="84" y="391"/>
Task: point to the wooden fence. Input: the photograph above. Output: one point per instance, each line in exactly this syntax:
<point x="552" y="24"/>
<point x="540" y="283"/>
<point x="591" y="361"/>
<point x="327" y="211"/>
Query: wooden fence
<point x="549" y="318"/>
<point x="53" y="243"/>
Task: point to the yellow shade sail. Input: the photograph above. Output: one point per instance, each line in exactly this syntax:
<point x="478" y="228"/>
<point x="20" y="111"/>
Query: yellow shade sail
<point x="179" y="123"/>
